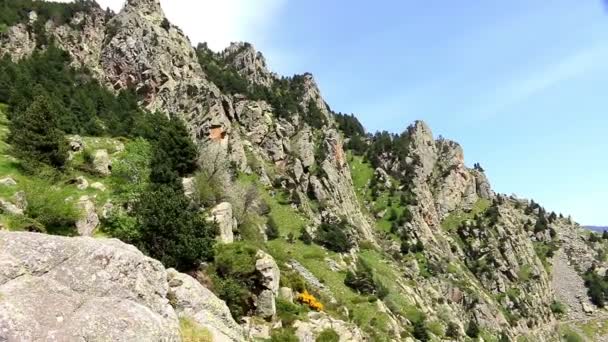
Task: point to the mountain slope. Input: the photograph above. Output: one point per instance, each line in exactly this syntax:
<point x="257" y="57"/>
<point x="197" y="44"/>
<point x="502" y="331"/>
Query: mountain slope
<point x="423" y="247"/>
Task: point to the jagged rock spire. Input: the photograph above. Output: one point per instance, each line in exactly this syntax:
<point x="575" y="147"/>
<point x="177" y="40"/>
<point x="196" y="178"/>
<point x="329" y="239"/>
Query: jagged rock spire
<point x="147" y="8"/>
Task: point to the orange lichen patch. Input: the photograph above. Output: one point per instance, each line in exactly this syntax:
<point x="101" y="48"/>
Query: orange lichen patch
<point x="310" y="300"/>
<point x="217" y="134"/>
<point x="339" y="154"/>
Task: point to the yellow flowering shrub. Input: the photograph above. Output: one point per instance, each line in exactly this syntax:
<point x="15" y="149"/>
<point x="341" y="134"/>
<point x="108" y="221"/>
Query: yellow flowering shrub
<point x="310" y="300"/>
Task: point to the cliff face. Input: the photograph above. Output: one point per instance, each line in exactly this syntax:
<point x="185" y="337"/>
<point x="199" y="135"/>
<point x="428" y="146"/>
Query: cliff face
<point x="482" y="262"/>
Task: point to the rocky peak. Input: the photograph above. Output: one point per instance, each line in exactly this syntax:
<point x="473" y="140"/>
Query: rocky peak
<point x="145" y="7"/>
<point x="249" y="63"/>
<point x="423" y="147"/>
<point x="311" y="93"/>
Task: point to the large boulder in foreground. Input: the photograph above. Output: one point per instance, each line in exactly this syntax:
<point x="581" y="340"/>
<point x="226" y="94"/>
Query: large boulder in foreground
<point x="75" y="289"/>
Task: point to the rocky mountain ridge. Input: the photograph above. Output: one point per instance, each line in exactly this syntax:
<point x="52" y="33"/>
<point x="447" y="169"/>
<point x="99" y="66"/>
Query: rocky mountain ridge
<point x="483" y="262"/>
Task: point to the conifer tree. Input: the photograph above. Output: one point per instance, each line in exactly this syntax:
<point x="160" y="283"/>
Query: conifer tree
<point x="34" y="135"/>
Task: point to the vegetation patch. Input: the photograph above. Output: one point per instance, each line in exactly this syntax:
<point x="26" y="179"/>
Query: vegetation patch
<point x="192" y="332"/>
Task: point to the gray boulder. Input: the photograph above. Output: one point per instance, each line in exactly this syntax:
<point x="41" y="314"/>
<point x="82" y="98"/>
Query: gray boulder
<point x="7" y="181"/>
<point x="269" y="269"/>
<point x="265" y="304"/>
<point x="102" y="163"/>
<point x="63" y="289"/>
<point x="89" y="220"/>
<point x="83" y="289"/>
<point x="192" y="300"/>
<point x="7" y="207"/>
<point x="286" y="293"/>
<point x="222" y="215"/>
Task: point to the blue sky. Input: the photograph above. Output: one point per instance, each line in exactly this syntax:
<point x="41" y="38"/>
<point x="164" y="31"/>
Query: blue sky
<point x="521" y="84"/>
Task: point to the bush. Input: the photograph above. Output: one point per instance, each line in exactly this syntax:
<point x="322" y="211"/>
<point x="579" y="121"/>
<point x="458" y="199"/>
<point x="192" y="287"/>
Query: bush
<point x="473" y="330"/>
<point x="293" y="280"/>
<point x="191" y="332"/>
<point x="571" y="336"/>
<point x="236" y="260"/>
<point x="48" y="206"/>
<point x="208" y="190"/>
<point x="283" y="335"/>
<point x="171" y="231"/>
<point x="288" y="312"/>
<point x="328" y="335"/>
<point x="334" y="237"/>
<point x="420" y="332"/>
<point x="305" y="236"/>
<point x="362" y="280"/>
<point x="436" y="328"/>
<point x="558" y="308"/>
<point x="310" y="300"/>
<point x="597" y="287"/>
<point x="236" y="275"/>
<point x="236" y="295"/>
<point x="24" y="224"/>
<point x="174" y="154"/>
<point x="122" y="226"/>
<point x="453" y="330"/>
<point x="272" y="229"/>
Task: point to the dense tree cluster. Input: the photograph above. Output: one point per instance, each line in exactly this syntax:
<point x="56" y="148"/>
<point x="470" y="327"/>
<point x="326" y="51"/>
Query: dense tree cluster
<point x="597" y="287"/>
<point x="387" y="146"/>
<point x="220" y="73"/>
<point x="349" y="125"/>
<point x="354" y="131"/>
<point x="80" y="104"/>
<point x="170" y="228"/>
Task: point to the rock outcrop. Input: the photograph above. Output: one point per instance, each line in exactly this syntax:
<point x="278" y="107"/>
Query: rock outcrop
<point x="249" y="63"/>
<point x="227" y="224"/>
<point x="102" y="163"/>
<point x="89" y="220"/>
<point x="78" y="281"/>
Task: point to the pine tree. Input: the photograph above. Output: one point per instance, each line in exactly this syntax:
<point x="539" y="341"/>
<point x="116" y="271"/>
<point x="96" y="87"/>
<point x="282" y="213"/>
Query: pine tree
<point x="473" y="330"/>
<point x="305" y="236"/>
<point x="174" y="154"/>
<point x="171" y="231"/>
<point x="272" y="229"/>
<point x="34" y="135"/>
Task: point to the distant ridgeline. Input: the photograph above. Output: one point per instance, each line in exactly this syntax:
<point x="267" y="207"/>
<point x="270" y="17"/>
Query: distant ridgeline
<point x="599" y="229"/>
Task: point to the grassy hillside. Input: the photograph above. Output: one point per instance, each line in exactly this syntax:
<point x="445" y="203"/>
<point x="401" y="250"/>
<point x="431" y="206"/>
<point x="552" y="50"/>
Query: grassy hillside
<point x="50" y="196"/>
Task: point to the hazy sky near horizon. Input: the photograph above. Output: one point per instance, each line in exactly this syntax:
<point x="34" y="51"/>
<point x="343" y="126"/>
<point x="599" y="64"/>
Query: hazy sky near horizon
<point x="520" y="84"/>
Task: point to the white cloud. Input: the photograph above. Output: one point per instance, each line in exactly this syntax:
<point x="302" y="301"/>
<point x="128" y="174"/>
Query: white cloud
<point x="527" y="85"/>
<point x="217" y="22"/>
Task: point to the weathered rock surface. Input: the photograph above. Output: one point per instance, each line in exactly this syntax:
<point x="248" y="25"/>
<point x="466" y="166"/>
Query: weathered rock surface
<point x="249" y="63"/>
<point x="269" y="269"/>
<point x="77" y="282"/>
<point x="102" y="163"/>
<point x="308" y="331"/>
<point x="7" y="181"/>
<point x="10" y="208"/>
<point x="192" y="300"/>
<point x="63" y="289"/>
<point x="222" y="215"/>
<point x="80" y="182"/>
<point x="89" y="220"/>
